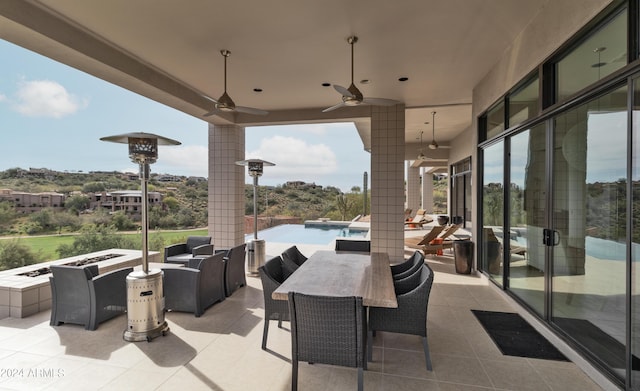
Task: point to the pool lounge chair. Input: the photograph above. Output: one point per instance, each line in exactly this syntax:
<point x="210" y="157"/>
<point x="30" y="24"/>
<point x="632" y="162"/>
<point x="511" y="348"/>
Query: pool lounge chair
<point x="443" y="241"/>
<point x="419" y="242"/>
<point x="418" y="220"/>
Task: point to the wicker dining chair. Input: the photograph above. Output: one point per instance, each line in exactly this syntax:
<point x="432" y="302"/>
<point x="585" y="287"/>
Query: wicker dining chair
<point x="353" y="245"/>
<point x="411" y="315"/>
<point x="272" y="274"/>
<point x="408" y="267"/>
<point x="327" y="330"/>
<point x="292" y="259"/>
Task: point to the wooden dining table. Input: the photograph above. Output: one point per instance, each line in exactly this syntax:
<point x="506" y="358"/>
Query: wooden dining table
<point x="342" y="273"/>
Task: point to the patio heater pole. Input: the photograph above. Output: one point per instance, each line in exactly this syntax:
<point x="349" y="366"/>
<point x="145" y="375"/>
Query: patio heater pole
<point x="145" y="296"/>
<point x="255" y="248"/>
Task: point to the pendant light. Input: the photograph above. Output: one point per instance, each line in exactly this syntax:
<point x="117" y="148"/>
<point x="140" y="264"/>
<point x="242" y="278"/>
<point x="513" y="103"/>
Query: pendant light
<point x="421" y="155"/>
<point x="434" y="144"/>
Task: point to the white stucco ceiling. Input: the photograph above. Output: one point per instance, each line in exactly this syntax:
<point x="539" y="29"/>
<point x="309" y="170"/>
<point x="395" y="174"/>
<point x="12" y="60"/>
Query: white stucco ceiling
<point x="170" y="51"/>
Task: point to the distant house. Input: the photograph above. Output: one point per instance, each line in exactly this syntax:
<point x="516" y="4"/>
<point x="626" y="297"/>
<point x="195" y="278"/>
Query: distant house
<point x="197" y="179"/>
<point x="129" y="201"/>
<point x="301" y="185"/>
<point x="168" y="178"/>
<point x="25" y="202"/>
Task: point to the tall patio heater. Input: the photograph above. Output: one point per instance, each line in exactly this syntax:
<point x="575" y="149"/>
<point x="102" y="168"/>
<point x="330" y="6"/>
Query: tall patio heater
<point x="255" y="248"/>
<point x="145" y="296"/>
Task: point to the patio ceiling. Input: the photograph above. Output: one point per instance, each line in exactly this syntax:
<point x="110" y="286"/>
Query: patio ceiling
<point x="169" y="51"/>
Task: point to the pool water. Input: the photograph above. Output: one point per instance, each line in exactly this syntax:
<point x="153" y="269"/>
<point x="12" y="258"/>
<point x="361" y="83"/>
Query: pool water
<point x="297" y="233"/>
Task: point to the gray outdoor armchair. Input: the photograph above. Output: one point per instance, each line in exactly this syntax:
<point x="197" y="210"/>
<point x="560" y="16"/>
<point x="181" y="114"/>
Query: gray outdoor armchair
<point x="272" y="275"/>
<point x="234" y="269"/>
<point x="195" y="287"/>
<point x="182" y="252"/>
<point x="327" y="330"/>
<point x="411" y="315"/>
<point x="80" y="296"/>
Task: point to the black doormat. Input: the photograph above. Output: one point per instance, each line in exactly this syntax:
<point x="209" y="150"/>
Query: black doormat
<point x="515" y="337"/>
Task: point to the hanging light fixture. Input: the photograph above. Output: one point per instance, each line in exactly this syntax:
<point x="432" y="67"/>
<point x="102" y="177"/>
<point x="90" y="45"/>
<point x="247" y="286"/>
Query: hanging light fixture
<point x="421" y="155"/>
<point x="434" y="144"/>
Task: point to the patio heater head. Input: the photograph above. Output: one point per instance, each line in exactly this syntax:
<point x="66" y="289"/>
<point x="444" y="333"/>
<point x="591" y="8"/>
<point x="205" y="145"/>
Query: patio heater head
<point x="143" y="147"/>
<point x="254" y="166"/>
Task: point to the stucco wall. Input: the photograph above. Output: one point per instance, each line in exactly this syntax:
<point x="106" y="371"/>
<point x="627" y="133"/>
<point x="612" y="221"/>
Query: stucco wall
<point x="555" y="23"/>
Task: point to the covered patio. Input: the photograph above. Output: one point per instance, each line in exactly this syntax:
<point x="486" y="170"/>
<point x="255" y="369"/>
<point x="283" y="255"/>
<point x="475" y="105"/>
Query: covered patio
<point x="221" y="350"/>
<point x="456" y="58"/>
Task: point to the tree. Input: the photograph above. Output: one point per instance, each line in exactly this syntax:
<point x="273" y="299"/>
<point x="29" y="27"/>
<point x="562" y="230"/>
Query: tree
<point x="7" y="214"/>
<point x="77" y="203"/>
<point x="122" y="222"/>
<point x="43" y="218"/>
<point x="94" y="238"/>
<point x="93" y="187"/>
<point x="65" y="219"/>
<point x="172" y="203"/>
<point x="14" y="254"/>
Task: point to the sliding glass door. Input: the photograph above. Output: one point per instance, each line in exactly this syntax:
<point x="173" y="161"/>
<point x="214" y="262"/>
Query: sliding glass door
<point x="588" y="232"/>
<point x="527" y="192"/>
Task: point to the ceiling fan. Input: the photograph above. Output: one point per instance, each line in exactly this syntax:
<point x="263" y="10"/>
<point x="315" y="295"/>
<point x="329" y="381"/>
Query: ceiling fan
<point x="225" y="103"/>
<point x="352" y="96"/>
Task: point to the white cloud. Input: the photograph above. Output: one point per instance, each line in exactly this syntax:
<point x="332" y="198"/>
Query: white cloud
<point x="295" y="158"/>
<point x="191" y="159"/>
<point x="45" y="98"/>
<point x="3" y="98"/>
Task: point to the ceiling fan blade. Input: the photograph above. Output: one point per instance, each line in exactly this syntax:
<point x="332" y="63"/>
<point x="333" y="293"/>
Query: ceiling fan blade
<point x="333" y="107"/>
<point x="380" y="101"/>
<point x="250" y="110"/>
<point x="212" y="112"/>
<point x="343" y="91"/>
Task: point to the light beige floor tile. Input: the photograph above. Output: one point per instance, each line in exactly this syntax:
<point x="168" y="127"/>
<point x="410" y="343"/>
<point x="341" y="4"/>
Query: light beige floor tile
<point x="563" y="376"/>
<point x="91" y="376"/>
<point x="463" y="370"/>
<point x="396" y="383"/>
<point x="139" y="380"/>
<point x="513" y="375"/>
<point x="407" y="363"/>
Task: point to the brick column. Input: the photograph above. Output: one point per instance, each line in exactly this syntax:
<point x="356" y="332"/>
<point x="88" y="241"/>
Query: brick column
<point x="427" y="192"/>
<point x="226" y="185"/>
<point x="413" y="188"/>
<point x="387" y="180"/>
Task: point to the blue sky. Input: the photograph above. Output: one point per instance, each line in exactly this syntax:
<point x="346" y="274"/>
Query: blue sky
<point x="52" y="116"/>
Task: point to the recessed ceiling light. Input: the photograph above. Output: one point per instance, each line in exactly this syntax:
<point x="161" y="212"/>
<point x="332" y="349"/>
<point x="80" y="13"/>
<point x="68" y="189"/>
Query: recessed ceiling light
<point x="365" y="81"/>
<point x="326" y="84"/>
<point x="403" y="78"/>
<point x="257" y="90"/>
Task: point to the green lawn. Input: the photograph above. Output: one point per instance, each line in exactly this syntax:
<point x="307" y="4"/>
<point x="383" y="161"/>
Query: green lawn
<point x="47" y="245"/>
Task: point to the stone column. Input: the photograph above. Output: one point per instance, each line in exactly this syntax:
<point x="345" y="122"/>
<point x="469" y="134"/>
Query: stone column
<point x="427" y="192"/>
<point x="226" y="185"/>
<point x="413" y="188"/>
<point x="387" y="180"/>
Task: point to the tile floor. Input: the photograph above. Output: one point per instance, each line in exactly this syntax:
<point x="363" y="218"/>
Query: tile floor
<point x="221" y="351"/>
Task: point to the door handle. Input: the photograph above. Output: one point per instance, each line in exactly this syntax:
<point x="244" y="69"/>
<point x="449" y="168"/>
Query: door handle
<point x="550" y="237"/>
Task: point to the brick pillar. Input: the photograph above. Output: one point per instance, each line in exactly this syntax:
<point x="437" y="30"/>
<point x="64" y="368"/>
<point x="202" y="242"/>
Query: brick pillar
<point x="413" y="188"/>
<point x="387" y="180"/>
<point x="226" y="185"/>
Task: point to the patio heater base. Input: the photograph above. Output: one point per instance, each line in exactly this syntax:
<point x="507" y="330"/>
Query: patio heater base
<point x="132" y="336"/>
<point x="145" y="306"/>
<point x="255" y="255"/>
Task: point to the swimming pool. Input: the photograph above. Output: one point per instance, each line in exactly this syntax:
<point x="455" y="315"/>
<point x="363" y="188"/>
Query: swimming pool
<point x="297" y="233"/>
